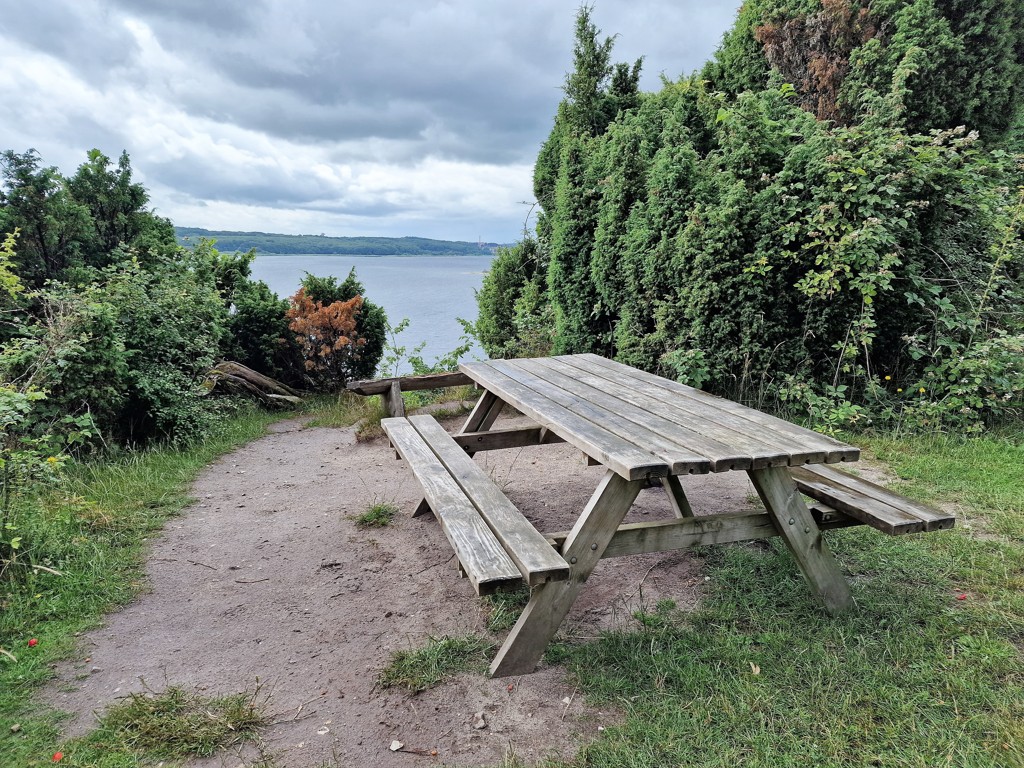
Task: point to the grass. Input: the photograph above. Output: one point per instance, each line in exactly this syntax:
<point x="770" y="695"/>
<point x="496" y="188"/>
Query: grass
<point x="926" y="670"/>
<point x="378" y="516"/>
<point x="171" y="725"/>
<point x="422" y="668"/>
<point x="346" y="409"/>
<point x="503" y="608"/>
<point x="93" y="530"/>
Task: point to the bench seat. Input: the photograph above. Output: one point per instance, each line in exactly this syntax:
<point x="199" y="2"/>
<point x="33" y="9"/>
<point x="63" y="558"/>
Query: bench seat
<point x="497" y="547"/>
<point x="867" y="502"/>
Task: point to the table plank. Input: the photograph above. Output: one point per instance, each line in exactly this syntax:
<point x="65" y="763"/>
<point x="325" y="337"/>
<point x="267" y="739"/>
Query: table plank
<point x="663" y="437"/>
<point x="612" y="451"/>
<point x="726" y="447"/>
<point x="810" y="441"/>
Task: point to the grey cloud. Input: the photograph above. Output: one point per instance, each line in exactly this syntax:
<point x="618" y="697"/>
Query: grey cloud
<point x="347" y="81"/>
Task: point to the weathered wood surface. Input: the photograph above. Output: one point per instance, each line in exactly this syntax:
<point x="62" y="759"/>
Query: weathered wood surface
<point x="677" y="444"/>
<point x="872" y="504"/>
<point x="409" y="383"/>
<point x="236" y="378"/>
<point x="484" y="559"/>
<point x="393" y="402"/>
<point x="803" y="445"/>
<point x="530" y="551"/>
<point x="686" y="428"/>
<point x="549" y="603"/>
<point x="496" y="439"/>
<point x="633" y="421"/>
<point x="799" y="530"/>
<point x="677" y="497"/>
<point x="668" y="535"/>
<point x="609" y="448"/>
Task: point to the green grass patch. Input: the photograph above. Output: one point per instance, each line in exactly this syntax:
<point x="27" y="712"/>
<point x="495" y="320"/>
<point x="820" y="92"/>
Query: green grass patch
<point x="93" y="530"/>
<point x="927" y="669"/>
<point x="377" y="516"/>
<point x="342" y="410"/>
<point x="423" y="668"/>
<point x="503" y="608"/>
<point x="171" y="725"/>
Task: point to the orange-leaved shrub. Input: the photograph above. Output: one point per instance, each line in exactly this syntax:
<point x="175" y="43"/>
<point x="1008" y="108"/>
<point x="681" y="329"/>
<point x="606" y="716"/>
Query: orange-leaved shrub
<point x="327" y="337"/>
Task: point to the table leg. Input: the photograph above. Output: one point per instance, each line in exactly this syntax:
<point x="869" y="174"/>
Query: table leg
<point x="676" y="496"/>
<point x="786" y="506"/>
<point x="550" y="602"/>
<point x="484" y="413"/>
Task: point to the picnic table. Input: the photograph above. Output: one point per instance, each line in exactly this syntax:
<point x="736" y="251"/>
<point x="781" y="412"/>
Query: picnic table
<point x="638" y="426"/>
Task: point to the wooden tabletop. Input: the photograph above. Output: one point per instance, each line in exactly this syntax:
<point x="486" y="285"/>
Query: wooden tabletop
<point x="640" y="425"/>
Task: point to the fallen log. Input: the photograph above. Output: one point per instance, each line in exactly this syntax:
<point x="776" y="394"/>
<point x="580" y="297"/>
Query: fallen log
<point x="237" y="379"/>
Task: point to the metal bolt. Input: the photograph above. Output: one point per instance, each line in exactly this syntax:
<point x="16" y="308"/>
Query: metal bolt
<point x="792" y="520"/>
<point x="807" y="529"/>
<point x="573" y="561"/>
<point x="593" y="547"/>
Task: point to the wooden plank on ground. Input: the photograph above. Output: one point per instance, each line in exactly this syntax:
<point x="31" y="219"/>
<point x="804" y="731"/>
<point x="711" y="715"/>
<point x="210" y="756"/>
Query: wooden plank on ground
<point x="487" y="564"/>
<point x="530" y="551"/>
<point x="595" y="441"/>
<point x="409" y="383"/>
<point x="725" y="449"/>
<point x="835" y="451"/>
<point x="879" y="507"/>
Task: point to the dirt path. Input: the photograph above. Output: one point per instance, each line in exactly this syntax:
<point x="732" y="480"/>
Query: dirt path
<point x="267" y="578"/>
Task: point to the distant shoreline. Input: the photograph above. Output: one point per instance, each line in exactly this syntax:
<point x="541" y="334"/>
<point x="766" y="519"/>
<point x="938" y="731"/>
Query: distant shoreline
<point x="320" y="245"/>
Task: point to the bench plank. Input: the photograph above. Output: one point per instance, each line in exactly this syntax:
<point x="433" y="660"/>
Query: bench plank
<point x="530" y="551"/>
<point x="487" y="565"/>
<point x="872" y="504"/>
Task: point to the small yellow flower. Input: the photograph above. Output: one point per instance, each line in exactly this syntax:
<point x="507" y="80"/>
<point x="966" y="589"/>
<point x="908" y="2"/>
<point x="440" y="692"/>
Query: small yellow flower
<point x="921" y="390"/>
<point x="888" y="378"/>
<point x="51" y="460"/>
<point x="899" y="389"/>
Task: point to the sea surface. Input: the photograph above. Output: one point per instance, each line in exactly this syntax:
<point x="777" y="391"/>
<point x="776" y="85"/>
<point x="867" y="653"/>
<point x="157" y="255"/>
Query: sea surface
<point x="431" y="291"/>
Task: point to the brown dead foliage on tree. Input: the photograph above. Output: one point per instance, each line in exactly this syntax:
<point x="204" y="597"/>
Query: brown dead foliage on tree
<point x="327" y="338"/>
<point x="812" y="51"/>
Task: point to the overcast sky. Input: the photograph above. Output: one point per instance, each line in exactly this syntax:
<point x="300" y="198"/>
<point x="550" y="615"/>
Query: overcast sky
<point x="394" y="117"/>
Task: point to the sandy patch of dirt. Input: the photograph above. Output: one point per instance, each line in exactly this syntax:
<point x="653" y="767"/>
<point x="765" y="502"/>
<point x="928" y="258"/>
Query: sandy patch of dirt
<point x="266" y="577"/>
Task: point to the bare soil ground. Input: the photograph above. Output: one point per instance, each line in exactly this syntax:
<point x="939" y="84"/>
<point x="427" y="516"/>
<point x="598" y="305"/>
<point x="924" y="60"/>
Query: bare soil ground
<point x="267" y="578"/>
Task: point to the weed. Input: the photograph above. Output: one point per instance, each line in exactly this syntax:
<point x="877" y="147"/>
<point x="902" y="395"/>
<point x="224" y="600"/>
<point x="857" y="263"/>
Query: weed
<point x="423" y="668"/>
<point x="379" y="515"/>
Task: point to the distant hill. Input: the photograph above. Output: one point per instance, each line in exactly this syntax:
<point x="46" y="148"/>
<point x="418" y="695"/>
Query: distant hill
<point x="265" y="242"/>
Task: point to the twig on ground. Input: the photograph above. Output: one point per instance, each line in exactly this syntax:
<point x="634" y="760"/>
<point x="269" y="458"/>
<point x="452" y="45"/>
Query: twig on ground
<point x="250" y="581"/>
<point x="196" y="562"/>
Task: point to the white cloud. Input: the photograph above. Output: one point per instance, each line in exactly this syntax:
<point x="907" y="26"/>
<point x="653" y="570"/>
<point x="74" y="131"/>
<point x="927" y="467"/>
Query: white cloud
<point x="345" y="118"/>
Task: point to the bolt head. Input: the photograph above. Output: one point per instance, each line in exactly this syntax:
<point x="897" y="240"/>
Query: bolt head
<point x="792" y="520"/>
<point x="573" y="561"/>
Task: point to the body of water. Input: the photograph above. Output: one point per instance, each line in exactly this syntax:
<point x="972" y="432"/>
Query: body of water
<point x="432" y="291"/>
